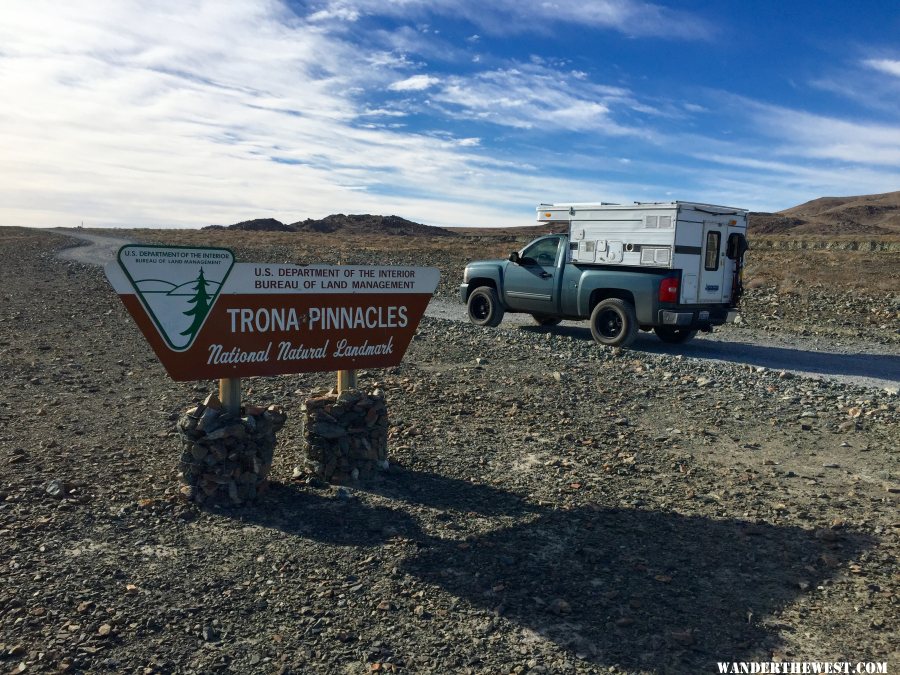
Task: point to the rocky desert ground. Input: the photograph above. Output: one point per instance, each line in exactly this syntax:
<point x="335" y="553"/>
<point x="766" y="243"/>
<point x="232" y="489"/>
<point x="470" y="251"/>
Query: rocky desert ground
<point x="551" y="506"/>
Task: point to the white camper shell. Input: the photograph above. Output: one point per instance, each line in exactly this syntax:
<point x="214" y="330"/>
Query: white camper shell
<point x="684" y="236"/>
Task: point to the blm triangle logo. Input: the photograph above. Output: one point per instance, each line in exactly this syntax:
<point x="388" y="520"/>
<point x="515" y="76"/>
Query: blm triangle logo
<point x="177" y="286"/>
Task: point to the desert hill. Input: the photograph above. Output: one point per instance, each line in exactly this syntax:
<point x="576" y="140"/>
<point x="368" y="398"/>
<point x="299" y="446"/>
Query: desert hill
<point x="369" y="224"/>
<point x="865" y="214"/>
<point x="257" y="225"/>
<point x="877" y="214"/>
<point x="364" y="224"/>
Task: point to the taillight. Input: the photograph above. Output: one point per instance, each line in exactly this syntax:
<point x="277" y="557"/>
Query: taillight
<point x="668" y="290"/>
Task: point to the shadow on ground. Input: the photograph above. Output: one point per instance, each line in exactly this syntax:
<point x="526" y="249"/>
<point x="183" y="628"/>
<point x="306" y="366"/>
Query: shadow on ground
<point x="643" y="590"/>
<point x="341" y="520"/>
<point x="875" y="366"/>
<point x="345" y="520"/>
<point x="440" y="492"/>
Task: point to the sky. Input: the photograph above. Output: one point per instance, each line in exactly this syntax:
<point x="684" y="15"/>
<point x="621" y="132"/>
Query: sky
<point x="185" y="113"/>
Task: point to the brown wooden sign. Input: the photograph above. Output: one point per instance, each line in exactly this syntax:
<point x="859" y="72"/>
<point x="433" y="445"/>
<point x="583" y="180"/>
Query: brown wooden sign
<point x="207" y="317"/>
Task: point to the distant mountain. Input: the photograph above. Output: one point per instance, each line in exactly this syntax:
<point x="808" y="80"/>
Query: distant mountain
<point x="257" y="225"/>
<point x="350" y="224"/>
<point x="865" y="214"/>
<point x="369" y="224"/>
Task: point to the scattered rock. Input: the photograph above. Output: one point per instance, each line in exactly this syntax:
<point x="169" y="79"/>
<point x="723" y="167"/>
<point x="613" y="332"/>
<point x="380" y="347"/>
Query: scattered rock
<point x="58" y="489"/>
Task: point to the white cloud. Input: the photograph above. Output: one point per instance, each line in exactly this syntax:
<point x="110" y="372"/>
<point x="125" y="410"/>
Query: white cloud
<point x="414" y="83"/>
<point x="174" y="112"/>
<point x="889" y="66"/>
<point x="804" y="134"/>
<point x="532" y="96"/>
<point x="336" y="12"/>
<point x="632" y="17"/>
<point x="204" y="113"/>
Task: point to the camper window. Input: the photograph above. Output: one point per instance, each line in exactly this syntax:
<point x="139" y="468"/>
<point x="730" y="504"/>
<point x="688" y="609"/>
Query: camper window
<point x="737" y="246"/>
<point x="658" y="222"/>
<point x="713" y="239"/>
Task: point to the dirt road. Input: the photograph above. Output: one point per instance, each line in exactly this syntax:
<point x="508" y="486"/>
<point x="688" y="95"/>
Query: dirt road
<point x="863" y="364"/>
<point x="96" y="250"/>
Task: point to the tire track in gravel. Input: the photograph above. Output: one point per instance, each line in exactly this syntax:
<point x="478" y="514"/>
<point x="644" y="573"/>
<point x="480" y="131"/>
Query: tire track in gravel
<point x="861" y="364"/>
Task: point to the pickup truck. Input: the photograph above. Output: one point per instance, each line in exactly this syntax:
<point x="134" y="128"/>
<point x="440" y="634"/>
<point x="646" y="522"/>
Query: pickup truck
<point x="543" y="280"/>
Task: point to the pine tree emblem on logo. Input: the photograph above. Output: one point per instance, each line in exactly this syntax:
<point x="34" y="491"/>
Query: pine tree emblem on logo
<point x="177" y="286"/>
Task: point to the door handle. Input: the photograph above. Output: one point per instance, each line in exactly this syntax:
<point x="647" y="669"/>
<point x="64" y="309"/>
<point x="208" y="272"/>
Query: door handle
<point x="546" y="275"/>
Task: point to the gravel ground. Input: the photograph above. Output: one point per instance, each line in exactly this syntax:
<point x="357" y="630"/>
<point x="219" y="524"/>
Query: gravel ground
<point x="551" y="507"/>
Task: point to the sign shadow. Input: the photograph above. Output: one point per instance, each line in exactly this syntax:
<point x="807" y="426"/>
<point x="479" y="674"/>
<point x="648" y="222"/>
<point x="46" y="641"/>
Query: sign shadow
<point x="340" y="520"/>
<point x="435" y="491"/>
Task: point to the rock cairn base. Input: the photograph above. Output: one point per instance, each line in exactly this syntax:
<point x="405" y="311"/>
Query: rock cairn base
<point x="226" y="459"/>
<point x="346" y="435"/>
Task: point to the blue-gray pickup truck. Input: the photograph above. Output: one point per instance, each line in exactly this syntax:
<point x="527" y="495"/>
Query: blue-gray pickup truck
<point x="543" y="280"/>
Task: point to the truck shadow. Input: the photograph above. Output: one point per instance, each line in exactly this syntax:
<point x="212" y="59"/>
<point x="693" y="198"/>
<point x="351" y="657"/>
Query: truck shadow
<point x="876" y="366"/>
<point x="641" y="590"/>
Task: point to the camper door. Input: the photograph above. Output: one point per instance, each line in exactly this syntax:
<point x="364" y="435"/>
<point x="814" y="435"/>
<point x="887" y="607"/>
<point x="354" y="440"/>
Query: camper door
<point x="712" y="263"/>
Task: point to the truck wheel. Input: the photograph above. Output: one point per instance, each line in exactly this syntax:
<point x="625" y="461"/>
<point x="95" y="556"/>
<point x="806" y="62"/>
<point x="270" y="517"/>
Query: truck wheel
<point x="544" y="320"/>
<point x="613" y="323"/>
<point x="484" y="307"/>
<point x="673" y="335"/>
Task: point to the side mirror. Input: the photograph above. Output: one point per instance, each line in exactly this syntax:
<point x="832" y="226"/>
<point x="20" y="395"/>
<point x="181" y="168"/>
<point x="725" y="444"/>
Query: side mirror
<point x="514" y="257"/>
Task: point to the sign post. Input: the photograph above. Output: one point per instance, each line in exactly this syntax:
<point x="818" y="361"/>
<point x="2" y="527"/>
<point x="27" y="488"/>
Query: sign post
<point x="346" y="380"/>
<point x="230" y="394"/>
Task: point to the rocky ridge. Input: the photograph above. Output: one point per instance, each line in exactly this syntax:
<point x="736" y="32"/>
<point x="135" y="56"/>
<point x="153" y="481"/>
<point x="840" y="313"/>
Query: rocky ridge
<point x="364" y="224"/>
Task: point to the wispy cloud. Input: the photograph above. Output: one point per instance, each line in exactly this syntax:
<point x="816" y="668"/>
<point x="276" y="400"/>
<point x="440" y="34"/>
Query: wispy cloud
<point x="805" y="134"/>
<point x="530" y="96"/>
<point x="173" y="121"/>
<point x="889" y="66"/>
<point x="414" y="83"/>
<point x="631" y="17"/>
<point x="202" y="112"/>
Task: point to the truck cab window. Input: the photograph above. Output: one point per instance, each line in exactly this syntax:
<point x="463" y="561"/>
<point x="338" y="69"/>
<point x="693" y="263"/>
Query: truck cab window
<point x="541" y="252"/>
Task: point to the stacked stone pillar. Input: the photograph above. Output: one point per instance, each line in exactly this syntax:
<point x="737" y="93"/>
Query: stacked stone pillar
<point x="345" y="436"/>
<point x="226" y="458"/>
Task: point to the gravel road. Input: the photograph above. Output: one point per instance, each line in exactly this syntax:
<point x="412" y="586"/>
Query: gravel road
<point x="96" y="250"/>
<point x="859" y="363"/>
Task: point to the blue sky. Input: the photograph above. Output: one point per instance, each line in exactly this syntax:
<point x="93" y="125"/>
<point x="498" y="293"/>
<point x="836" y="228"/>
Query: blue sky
<point x="470" y="112"/>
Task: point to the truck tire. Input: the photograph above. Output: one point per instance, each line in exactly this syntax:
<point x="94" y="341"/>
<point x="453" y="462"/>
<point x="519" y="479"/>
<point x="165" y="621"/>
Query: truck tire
<point x="673" y="335"/>
<point x="613" y="323"/>
<point x="545" y="320"/>
<point x="484" y="307"/>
